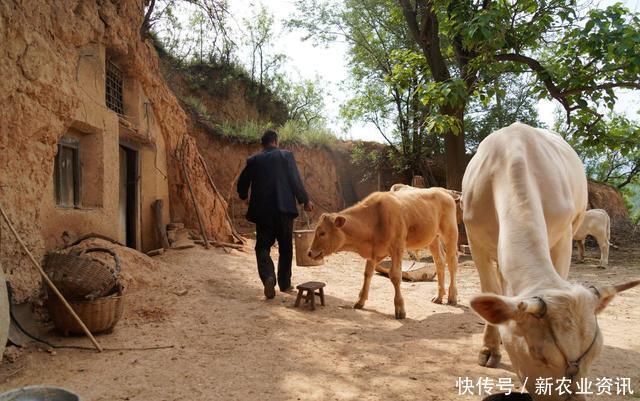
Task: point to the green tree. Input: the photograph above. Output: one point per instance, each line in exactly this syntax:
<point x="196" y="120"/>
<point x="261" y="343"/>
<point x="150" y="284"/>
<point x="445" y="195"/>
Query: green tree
<point x="201" y="35"/>
<point x="615" y="158"/>
<point x="263" y="61"/>
<point x="513" y="100"/>
<point x="578" y="59"/>
<point x="375" y="32"/>
<point x="304" y="99"/>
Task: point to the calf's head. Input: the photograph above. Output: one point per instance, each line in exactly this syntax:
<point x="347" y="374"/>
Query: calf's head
<point x="329" y="235"/>
<point x="551" y="334"/>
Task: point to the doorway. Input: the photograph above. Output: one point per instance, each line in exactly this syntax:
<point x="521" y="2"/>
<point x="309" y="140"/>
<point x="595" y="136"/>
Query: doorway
<point x="128" y="211"/>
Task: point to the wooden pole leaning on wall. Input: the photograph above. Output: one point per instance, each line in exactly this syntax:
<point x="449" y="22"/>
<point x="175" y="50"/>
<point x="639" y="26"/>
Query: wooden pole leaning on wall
<point x="193" y="197"/>
<point x="49" y="282"/>
<point x="235" y="232"/>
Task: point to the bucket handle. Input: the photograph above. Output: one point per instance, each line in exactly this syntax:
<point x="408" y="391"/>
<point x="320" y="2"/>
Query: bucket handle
<point x="105" y="250"/>
<point x="306" y="216"/>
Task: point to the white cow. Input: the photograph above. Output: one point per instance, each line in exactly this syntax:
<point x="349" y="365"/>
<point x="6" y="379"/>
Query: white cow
<point x="597" y="224"/>
<point x="524" y="194"/>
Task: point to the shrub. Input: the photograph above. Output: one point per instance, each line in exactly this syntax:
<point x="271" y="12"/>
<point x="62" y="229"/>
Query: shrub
<point x="291" y="132"/>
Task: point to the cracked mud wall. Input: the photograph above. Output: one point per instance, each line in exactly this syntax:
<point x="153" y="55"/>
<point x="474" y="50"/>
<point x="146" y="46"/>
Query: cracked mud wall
<point x="45" y="92"/>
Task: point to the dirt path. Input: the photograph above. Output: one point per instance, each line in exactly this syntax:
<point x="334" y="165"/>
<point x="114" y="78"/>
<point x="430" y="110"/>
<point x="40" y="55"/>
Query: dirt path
<point x="231" y="344"/>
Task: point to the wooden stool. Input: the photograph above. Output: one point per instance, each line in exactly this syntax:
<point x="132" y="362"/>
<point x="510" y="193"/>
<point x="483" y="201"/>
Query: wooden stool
<point x="310" y="287"/>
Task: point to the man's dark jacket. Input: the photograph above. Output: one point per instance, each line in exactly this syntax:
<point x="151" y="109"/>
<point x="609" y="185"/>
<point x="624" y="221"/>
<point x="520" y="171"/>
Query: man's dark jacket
<point x="275" y="184"/>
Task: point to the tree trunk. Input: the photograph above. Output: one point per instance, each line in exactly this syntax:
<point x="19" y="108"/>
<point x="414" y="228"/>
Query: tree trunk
<point x="428" y="176"/>
<point x="455" y="153"/>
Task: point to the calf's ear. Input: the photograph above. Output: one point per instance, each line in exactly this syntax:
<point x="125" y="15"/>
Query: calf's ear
<point x="607" y="293"/>
<point x="495" y="309"/>
<point x="339" y="221"/>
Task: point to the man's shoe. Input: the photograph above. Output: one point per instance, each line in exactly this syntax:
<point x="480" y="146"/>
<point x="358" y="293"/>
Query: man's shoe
<point x="270" y="288"/>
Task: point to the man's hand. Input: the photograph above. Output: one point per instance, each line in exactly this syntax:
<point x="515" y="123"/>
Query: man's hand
<point x="308" y="207"/>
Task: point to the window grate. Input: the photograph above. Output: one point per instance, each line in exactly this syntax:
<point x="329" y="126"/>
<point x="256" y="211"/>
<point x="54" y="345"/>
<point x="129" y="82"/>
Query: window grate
<point x="114" y="87"/>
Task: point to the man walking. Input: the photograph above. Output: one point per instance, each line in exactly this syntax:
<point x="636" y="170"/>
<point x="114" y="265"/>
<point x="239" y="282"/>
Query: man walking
<point x="275" y="186"/>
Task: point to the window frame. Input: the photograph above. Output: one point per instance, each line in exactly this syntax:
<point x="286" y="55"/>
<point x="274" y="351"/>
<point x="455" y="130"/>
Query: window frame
<point x="74" y="146"/>
<point x="114" y="87"/>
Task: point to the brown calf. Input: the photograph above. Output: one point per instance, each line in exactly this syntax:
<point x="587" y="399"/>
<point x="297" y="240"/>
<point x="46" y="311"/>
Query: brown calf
<point x="386" y="224"/>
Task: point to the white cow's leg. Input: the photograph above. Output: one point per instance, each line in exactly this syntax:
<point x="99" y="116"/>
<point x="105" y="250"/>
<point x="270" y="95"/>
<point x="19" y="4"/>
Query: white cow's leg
<point x="489" y="282"/>
<point x="395" y="274"/>
<point x="561" y="254"/>
<point x="364" y="292"/>
<point x="580" y="250"/>
<point x="452" y="265"/>
<point x="603" y="243"/>
<point x="434" y="247"/>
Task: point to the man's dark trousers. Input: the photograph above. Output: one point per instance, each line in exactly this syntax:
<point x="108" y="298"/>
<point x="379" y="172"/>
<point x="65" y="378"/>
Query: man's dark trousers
<point x="277" y="227"/>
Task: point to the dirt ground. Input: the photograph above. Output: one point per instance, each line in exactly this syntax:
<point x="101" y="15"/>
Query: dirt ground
<point x="232" y="344"/>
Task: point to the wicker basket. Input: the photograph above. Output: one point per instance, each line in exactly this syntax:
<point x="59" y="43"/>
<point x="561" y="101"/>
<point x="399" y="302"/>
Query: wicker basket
<point x="78" y="276"/>
<point x="99" y="315"/>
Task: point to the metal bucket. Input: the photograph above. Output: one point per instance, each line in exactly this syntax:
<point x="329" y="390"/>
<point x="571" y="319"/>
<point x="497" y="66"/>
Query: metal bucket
<point x="39" y="393"/>
<point x="303" y="239"/>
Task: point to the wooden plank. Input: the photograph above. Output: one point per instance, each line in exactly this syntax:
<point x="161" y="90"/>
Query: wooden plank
<point x="235" y="233"/>
<point x="221" y="244"/>
<point x="195" y="202"/>
<point x="160" y="227"/>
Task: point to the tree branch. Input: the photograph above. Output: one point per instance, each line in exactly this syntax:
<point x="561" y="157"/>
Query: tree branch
<point x="146" y="22"/>
<point x="608" y="85"/>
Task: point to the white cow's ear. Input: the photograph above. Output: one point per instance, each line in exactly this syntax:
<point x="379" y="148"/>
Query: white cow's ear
<point x="607" y="293"/>
<point x="495" y="309"/>
<point x="339" y="221"/>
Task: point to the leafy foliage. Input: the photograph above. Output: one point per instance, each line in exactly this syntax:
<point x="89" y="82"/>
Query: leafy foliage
<point x="615" y="158"/>
<point x="264" y="62"/>
<point x="375" y="32"/>
<point x="511" y="100"/>
<point x="203" y="35"/>
<point x="577" y="58"/>
<point x="304" y="100"/>
<point x="290" y="133"/>
<point x="195" y="36"/>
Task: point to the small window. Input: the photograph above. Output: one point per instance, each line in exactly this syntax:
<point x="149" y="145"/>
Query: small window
<point x="67" y="174"/>
<point x="114" y="87"/>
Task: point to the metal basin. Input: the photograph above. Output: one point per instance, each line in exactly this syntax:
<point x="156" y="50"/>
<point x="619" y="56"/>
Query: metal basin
<point x="504" y="397"/>
<point x="39" y="393"/>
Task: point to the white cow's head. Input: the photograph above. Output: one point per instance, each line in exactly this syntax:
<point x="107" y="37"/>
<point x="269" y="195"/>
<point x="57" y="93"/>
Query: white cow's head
<point x="329" y="236"/>
<point x="551" y="334"/>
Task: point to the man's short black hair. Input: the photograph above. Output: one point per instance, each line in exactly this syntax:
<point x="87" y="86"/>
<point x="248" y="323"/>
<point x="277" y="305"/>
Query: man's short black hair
<point x="269" y="137"/>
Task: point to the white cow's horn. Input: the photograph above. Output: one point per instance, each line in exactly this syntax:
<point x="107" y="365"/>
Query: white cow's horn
<point x="611" y="290"/>
<point x="535" y="306"/>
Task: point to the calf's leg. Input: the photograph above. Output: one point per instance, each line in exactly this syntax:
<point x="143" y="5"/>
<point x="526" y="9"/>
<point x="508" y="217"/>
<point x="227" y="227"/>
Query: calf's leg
<point x="395" y="274"/>
<point x="452" y="265"/>
<point x="449" y="236"/>
<point x="364" y="292"/>
<point x="580" y="250"/>
<point x="489" y="282"/>
<point x="603" y="243"/>
<point x="434" y="247"/>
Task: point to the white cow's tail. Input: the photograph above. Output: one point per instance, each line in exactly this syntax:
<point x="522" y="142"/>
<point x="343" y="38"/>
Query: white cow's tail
<point x="608" y="229"/>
